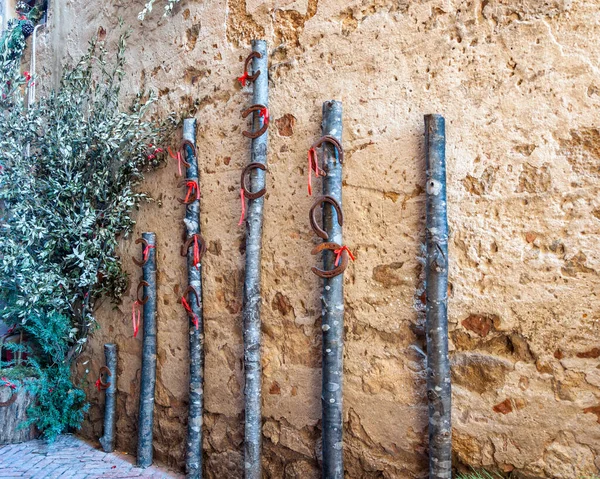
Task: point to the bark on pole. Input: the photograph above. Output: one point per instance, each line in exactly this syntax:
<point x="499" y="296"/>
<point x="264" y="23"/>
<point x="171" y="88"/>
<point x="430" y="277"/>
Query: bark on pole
<point x="252" y="297"/>
<point x="332" y="315"/>
<point x="107" y="441"/>
<point x="193" y="456"/>
<point x="438" y="364"/>
<point x="148" y="375"/>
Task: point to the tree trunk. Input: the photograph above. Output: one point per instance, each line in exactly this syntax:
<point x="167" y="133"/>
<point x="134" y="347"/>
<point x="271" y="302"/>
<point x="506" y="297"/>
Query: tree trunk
<point x="107" y="441"/>
<point x="438" y="364"/>
<point x="332" y="316"/>
<point x="252" y="295"/>
<point x="148" y="375"/>
<point x="193" y="456"/>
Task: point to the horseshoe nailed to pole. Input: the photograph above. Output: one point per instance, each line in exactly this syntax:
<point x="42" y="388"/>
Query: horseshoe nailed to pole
<point x="436" y="282"/>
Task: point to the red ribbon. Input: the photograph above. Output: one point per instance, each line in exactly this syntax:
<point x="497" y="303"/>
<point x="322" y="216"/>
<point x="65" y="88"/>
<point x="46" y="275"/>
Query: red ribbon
<point x="98" y="384"/>
<point x="196" y="252"/>
<point x="176" y="157"/>
<point x="195" y="319"/>
<point x="146" y="252"/>
<point x="264" y="114"/>
<point x="338" y="254"/>
<point x="313" y="165"/>
<point x="243" y="200"/>
<point x="244" y="78"/>
<point x="8" y="383"/>
<point x="192" y="186"/>
<point x="136" y="315"/>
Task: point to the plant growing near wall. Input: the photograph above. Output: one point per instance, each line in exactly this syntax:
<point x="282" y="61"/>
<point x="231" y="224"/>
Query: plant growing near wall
<point x="478" y="475"/>
<point x="70" y="166"/>
<point x="12" y="46"/>
<point x="149" y="5"/>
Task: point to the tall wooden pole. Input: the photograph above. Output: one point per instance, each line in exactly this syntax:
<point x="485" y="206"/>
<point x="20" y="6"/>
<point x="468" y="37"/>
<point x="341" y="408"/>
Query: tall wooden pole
<point x="193" y="457"/>
<point x="332" y="316"/>
<point x="148" y="374"/>
<point x="438" y="364"/>
<point x="252" y="294"/>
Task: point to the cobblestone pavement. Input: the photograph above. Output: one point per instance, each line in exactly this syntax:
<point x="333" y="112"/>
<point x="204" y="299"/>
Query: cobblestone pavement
<point x="70" y="457"/>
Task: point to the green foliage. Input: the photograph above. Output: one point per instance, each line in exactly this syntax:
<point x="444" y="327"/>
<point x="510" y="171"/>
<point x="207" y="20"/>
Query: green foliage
<point x="18" y="373"/>
<point x="478" y="475"/>
<point x="12" y="46"/>
<point x="59" y="405"/>
<point x="149" y="5"/>
<point x="70" y="166"/>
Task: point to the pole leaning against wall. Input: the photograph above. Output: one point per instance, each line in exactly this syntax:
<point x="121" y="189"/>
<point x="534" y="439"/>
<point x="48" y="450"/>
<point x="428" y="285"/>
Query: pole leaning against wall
<point x="438" y="364"/>
<point x="335" y="261"/>
<point x="148" y="376"/>
<point x="254" y="221"/>
<point x="194" y="248"/>
<point x="107" y="441"/>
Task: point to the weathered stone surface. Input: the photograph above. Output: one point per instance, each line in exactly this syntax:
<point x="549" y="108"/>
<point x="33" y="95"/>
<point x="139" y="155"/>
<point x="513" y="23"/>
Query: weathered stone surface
<point x="13" y="414"/>
<point x="518" y="84"/>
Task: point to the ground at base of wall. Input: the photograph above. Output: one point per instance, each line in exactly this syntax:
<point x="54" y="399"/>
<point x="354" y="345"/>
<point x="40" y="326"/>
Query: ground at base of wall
<point x="70" y="457"/>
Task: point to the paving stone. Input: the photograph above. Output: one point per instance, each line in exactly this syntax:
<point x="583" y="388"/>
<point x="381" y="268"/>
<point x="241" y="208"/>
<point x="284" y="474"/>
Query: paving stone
<point x="70" y="458"/>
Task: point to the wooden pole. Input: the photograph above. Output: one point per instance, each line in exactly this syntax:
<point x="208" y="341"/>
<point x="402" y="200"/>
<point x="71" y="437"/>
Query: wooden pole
<point x="438" y="364"/>
<point x="193" y="456"/>
<point x="107" y="441"/>
<point x="252" y="295"/>
<point x="332" y="315"/>
<point x="148" y="375"/>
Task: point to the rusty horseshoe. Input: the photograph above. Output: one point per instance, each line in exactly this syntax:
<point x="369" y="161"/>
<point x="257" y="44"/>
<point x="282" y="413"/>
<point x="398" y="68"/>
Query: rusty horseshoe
<point x="333" y="141"/>
<point x="335" y="271"/>
<point x="189" y="289"/>
<point x="247" y="193"/>
<point x="102" y="384"/>
<point x="11" y="399"/>
<point x="146" y="246"/>
<point x="313" y="221"/>
<point x="255" y="75"/>
<point x="188" y="243"/>
<point x="183" y="145"/>
<point x="261" y="109"/>
<point x="194" y="187"/>
<point x="144" y="300"/>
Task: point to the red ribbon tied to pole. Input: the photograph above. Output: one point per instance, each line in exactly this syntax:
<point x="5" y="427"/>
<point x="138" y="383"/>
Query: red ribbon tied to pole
<point x="244" y="78"/>
<point x="192" y="186"/>
<point x="243" y="200"/>
<point x="338" y="254"/>
<point x="313" y="165"/>
<point x="264" y="114"/>
<point x="196" y="252"/>
<point x="193" y="315"/>
<point x="146" y="252"/>
<point x="136" y="316"/>
<point x="176" y="157"/>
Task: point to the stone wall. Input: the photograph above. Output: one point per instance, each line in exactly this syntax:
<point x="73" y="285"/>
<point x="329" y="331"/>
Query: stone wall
<point x="518" y="82"/>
